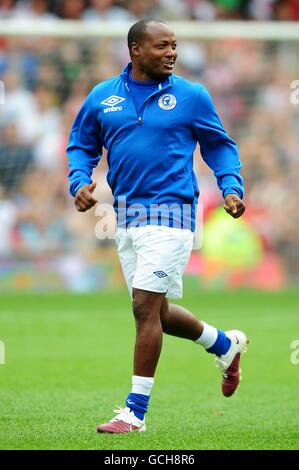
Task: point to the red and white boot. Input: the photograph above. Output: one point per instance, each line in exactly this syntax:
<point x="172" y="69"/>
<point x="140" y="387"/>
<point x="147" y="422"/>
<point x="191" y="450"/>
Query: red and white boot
<point x="229" y="363"/>
<point x="124" y="422"/>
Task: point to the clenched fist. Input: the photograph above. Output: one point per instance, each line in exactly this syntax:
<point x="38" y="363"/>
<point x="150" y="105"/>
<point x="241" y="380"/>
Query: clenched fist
<point x="84" y="199"/>
<point x="234" y="206"/>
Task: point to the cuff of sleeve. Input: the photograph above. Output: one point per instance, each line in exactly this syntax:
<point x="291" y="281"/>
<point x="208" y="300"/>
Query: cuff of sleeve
<point x="236" y="191"/>
<point x="75" y="186"/>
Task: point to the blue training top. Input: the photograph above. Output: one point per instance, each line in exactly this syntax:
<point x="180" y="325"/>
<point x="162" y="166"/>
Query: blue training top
<point x="150" y="150"/>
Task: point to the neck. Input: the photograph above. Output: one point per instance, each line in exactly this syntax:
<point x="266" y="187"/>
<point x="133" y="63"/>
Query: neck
<point x="138" y="74"/>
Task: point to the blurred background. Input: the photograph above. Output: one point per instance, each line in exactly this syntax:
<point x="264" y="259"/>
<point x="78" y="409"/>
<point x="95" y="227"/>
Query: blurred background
<point x="45" y="245"/>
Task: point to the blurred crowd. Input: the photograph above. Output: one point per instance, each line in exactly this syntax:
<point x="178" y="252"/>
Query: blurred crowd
<point x="127" y="10"/>
<point x="45" y="84"/>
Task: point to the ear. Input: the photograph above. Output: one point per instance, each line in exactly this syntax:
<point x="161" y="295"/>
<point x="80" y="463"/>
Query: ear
<point x="135" y="49"/>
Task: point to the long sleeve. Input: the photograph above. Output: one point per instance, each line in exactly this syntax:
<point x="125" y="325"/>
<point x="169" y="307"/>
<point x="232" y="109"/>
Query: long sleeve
<point x="85" y="146"/>
<point x="218" y="149"/>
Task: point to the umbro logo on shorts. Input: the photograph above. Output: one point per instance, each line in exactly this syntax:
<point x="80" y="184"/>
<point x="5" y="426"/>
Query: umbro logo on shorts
<point x="160" y="273"/>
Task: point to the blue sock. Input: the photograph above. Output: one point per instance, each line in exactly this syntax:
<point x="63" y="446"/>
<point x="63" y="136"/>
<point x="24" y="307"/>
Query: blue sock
<point x="138" y="404"/>
<point x="221" y="345"/>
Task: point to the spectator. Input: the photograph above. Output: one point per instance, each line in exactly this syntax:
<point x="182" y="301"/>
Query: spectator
<point x="105" y="10"/>
<point x="71" y="9"/>
<point x="33" y="10"/>
<point x="7" y="9"/>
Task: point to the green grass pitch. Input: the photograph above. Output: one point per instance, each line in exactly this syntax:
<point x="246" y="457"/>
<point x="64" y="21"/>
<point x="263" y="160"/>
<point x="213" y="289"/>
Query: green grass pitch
<point x="69" y="361"/>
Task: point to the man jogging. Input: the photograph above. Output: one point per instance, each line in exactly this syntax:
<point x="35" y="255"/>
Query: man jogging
<point x="150" y="122"/>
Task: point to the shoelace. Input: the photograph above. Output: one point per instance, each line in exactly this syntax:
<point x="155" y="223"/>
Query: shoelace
<point x="222" y="366"/>
<point x="122" y="414"/>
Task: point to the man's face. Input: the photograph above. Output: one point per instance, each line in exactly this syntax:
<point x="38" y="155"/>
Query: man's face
<point x="156" y="54"/>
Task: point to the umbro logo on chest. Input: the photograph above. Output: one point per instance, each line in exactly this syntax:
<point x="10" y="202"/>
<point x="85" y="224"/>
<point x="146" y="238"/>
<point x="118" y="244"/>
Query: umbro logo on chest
<point x="112" y="102"/>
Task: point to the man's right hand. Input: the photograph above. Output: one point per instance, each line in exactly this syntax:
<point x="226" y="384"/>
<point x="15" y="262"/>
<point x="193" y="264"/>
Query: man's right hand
<point x="84" y="199"/>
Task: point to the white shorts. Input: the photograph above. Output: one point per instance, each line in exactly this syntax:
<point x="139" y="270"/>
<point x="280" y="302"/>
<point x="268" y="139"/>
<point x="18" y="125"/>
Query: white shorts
<point x="154" y="258"/>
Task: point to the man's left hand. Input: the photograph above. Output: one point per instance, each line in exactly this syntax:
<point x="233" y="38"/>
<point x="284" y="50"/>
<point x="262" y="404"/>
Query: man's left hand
<point x="234" y="206"/>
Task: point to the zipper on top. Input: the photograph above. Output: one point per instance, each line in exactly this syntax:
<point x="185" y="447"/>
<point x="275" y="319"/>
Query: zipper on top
<point x="139" y="117"/>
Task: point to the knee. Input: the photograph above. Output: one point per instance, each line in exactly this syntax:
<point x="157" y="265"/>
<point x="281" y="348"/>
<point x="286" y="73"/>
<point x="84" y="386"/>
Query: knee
<point x="141" y="310"/>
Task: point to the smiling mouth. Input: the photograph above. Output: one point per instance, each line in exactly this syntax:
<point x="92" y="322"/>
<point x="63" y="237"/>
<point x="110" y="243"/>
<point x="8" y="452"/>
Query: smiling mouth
<point x="169" y="65"/>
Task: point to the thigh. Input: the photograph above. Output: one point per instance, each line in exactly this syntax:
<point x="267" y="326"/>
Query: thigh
<point x="127" y="256"/>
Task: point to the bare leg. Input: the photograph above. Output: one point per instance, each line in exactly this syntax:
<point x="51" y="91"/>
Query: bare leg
<point x="178" y="321"/>
<point x="146" y="309"/>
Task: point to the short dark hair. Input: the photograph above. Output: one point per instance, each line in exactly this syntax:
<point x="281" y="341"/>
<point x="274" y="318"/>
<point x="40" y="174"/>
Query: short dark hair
<point x="137" y="31"/>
